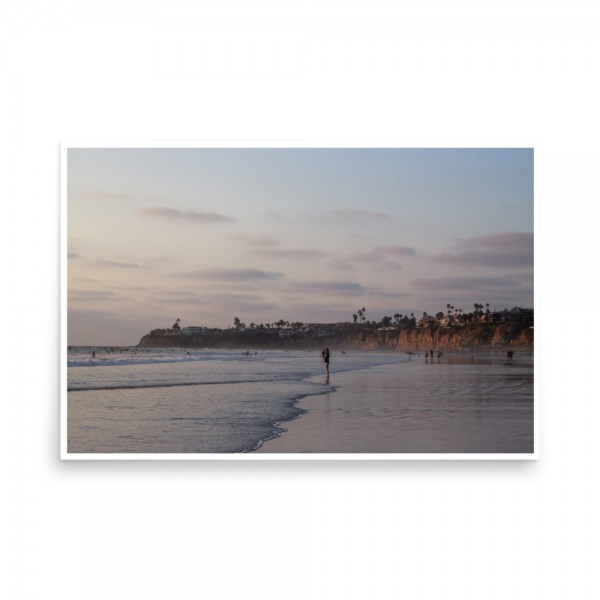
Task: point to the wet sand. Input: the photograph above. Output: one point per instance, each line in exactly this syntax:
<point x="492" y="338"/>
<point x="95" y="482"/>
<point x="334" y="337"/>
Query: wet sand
<point x="416" y="408"/>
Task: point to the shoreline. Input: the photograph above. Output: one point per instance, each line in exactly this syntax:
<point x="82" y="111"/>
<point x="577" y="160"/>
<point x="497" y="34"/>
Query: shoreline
<point x="297" y="405"/>
<point x="377" y="411"/>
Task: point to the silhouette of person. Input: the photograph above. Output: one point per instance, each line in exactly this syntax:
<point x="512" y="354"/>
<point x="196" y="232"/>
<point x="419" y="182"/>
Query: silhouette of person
<point x="325" y="356"/>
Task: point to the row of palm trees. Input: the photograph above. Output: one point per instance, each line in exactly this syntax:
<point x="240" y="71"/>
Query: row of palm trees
<point x="452" y="315"/>
<point x="239" y="325"/>
<point x="398" y="319"/>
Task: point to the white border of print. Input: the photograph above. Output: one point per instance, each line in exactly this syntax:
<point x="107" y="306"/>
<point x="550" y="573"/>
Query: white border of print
<point x="66" y="145"/>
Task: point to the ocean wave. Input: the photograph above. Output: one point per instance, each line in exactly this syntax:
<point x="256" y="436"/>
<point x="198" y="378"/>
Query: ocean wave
<point x="202" y="368"/>
<point x="149" y="359"/>
<point x="130" y="360"/>
<point x="151" y="384"/>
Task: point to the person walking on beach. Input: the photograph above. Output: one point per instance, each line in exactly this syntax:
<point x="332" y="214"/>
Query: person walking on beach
<point x="325" y="356"/>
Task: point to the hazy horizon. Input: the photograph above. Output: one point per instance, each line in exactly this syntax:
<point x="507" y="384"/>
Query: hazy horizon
<point x="311" y="235"/>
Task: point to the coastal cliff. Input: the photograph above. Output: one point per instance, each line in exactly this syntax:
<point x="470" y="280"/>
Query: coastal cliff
<point x="477" y="336"/>
<point x="448" y="338"/>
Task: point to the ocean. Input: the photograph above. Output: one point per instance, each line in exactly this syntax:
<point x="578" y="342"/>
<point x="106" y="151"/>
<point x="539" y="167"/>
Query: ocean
<point x="179" y="401"/>
<point x="137" y="400"/>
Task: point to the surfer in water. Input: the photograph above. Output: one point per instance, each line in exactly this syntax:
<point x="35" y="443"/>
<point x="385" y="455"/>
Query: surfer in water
<point x="325" y="356"/>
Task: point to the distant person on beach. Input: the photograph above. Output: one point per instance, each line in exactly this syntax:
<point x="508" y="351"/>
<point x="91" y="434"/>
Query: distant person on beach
<point x="325" y="356"/>
<point x="93" y="354"/>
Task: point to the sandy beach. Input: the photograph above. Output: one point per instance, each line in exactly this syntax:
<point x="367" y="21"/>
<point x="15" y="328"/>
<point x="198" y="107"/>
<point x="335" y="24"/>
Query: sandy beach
<point x="416" y="408"/>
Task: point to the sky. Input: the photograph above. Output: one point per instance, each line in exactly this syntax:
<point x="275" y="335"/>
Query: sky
<point x="300" y="234"/>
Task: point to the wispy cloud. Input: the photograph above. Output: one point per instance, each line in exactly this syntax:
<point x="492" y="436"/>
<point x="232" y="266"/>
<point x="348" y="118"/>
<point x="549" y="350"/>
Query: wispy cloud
<point x="257" y="241"/>
<point x="112" y="264"/>
<point x="203" y="299"/>
<point x="266" y="246"/>
<point x="502" y="250"/>
<point x="159" y="262"/>
<point x="171" y="214"/>
<point x="229" y="275"/>
<point x="238" y="303"/>
<point x="353" y="216"/>
<point x="291" y="253"/>
<point x="382" y="253"/>
<point x="78" y="280"/>
<point x="194" y="307"/>
<point x="383" y="256"/>
<point x="467" y="283"/>
<point x="326" y="287"/>
<point x="379" y="293"/>
<point x="341" y="264"/>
